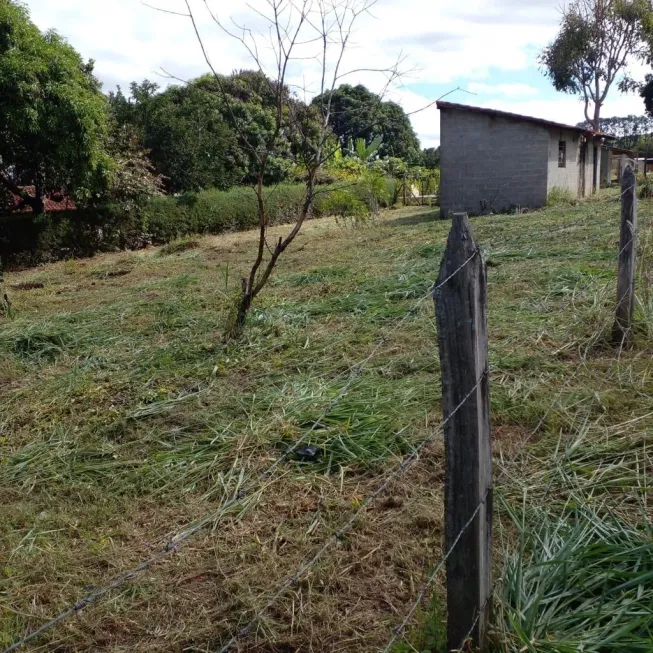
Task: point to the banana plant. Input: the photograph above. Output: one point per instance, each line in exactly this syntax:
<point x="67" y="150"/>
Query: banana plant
<point x="364" y="152"/>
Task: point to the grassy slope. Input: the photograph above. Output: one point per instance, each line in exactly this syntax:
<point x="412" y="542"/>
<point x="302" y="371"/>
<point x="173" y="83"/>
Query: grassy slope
<point x="123" y="419"/>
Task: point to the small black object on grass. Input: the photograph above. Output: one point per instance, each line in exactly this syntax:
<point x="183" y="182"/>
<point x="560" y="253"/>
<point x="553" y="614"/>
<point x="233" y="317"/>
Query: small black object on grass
<point x="308" y="454"/>
<point x="27" y="285"/>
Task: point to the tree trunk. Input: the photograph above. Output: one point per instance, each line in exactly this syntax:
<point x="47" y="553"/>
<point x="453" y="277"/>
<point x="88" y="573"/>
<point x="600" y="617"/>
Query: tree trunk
<point x="236" y="328"/>
<point x="597" y="115"/>
<point x="37" y="204"/>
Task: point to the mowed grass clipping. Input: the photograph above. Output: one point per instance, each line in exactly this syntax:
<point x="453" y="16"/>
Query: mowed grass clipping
<point x="125" y="418"/>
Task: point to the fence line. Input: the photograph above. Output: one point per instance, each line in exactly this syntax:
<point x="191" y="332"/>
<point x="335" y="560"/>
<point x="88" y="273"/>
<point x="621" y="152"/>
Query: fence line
<point x="398" y="630"/>
<point x="182" y="536"/>
<point x="355" y="372"/>
<point x="336" y="534"/>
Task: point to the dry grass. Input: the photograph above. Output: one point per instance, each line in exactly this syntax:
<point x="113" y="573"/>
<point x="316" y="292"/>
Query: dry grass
<point x="125" y="418"/>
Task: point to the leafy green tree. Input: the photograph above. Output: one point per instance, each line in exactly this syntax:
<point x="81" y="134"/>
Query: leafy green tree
<point x="208" y="132"/>
<point x="356" y="113"/>
<point x="398" y="134"/>
<point x="134" y="180"/>
<point x="133" y="110"/>
<point x="597" y="40"/>
<point x="629" y="130"/>
<point x="431" y="157"/>
<point x="189" y="141"/>
<point x="53" y="116"/>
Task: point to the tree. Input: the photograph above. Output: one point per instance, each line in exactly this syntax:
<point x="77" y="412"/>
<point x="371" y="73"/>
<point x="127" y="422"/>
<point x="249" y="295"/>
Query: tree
<point x="597" y="40"/>
<point x="431" y="157"/>
<point x="135" y="109"/>
<point x="189" y="129"/>
<point x="298" y="30"/>
<point x="134" y="181"/>
<point x="629" y="130"/>
<point x="53" y="116"/>
<point x="359" y="113"/>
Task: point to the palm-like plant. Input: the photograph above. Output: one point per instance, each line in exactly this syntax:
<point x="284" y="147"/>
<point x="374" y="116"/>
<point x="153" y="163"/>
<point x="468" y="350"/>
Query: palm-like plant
<point x="364" y="152"/>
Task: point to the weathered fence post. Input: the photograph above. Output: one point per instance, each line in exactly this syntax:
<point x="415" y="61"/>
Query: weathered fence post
<point x="461" y="309"/>
<point x="627" y="248"/>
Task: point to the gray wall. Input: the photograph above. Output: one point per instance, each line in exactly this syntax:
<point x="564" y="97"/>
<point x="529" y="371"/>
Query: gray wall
<point x="493" y="159"/>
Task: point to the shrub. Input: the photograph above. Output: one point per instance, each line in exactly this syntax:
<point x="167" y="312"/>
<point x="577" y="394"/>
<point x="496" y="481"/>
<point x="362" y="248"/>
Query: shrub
<point x="178" y="246"/>
<point x="645" y="187"/>
<point x="27" y="240"/>
<point x="340" y="203"/>
<point x="560" y="197"/>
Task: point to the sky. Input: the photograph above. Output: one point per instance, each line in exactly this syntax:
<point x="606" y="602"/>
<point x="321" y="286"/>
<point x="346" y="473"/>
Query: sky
<point x="487" y="49"/>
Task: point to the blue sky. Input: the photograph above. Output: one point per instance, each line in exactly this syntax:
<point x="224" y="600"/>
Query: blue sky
<point x="488" y="47"/>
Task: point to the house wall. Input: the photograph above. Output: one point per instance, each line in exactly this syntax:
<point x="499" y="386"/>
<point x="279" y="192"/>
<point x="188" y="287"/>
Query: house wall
<point x="606" y="161"/>
<point x="567" y="177"/>
<point x="493" y="159"/>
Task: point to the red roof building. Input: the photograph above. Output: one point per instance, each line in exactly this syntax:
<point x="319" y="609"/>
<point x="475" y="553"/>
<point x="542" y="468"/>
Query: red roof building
<point x="54" y="202"/>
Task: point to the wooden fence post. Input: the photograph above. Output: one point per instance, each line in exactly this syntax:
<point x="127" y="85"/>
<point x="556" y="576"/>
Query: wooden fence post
<point x="627" y="248"/>
<point x="461" y="310"/>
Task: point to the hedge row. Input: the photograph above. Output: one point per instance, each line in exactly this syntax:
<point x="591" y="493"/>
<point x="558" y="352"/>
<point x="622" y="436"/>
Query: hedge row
<point x="26" y="240"/>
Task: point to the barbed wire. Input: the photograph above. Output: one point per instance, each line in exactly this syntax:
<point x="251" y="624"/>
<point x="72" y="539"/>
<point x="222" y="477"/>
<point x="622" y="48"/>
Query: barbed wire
<point x="335" y="535"/>
<point x="577" y="223"/>
<point x="398" y="631"/>
<point x="182" y="536"/>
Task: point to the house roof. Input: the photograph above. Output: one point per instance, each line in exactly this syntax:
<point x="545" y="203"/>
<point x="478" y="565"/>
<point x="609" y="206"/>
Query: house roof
<point x="620" y="150"/>
<point x="516" y="116"/>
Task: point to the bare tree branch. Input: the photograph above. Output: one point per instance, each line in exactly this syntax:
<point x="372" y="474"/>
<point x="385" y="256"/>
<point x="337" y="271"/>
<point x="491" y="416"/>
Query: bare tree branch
<point x="164" y="11"/>
<point x="293" y="26"/>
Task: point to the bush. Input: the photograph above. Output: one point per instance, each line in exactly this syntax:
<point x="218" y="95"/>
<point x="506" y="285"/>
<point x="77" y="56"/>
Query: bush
<point x="645" y="187"/>
<point x="27" y="240"/>
<point x="178" y="246"/>
<point x="560" y="197"/>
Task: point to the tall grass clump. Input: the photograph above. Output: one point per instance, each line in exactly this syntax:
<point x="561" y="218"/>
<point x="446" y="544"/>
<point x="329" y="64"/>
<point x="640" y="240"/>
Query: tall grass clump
<point x="560" y="197"/>
<point x="580" y="581"/>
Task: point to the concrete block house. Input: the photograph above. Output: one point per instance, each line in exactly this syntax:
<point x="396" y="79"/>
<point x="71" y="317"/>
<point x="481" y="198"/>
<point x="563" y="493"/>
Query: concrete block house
<point x="494" y="161"/>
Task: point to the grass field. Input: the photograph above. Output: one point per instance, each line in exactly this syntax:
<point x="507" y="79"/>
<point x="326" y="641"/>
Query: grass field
<point x="124" y="419"/>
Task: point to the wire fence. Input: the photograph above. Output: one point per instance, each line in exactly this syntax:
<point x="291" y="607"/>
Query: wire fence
<point x="182" y="536"/>
<point x="335" y="535"/>
<point x="399" y="631"/>
<point x="189" y="531"/>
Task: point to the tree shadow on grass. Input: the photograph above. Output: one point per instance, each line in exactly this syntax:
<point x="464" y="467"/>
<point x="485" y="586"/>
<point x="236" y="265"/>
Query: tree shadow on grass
<point x="421" y="218"/>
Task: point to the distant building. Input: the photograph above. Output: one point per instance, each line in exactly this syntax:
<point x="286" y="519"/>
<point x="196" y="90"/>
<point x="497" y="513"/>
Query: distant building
<point x="53" y="202"/>
<point x="644" y="165"/>
<point x="493" y="161"/>
<point x="619" y="159"/>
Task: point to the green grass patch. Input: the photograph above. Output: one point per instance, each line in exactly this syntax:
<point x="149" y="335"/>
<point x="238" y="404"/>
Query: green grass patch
<point x="125" y="417"/>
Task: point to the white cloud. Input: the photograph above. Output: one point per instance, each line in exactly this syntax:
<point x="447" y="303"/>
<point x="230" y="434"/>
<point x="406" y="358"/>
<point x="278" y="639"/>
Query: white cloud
<point x="444" y="44"/>
<point x="508" y="90"/>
